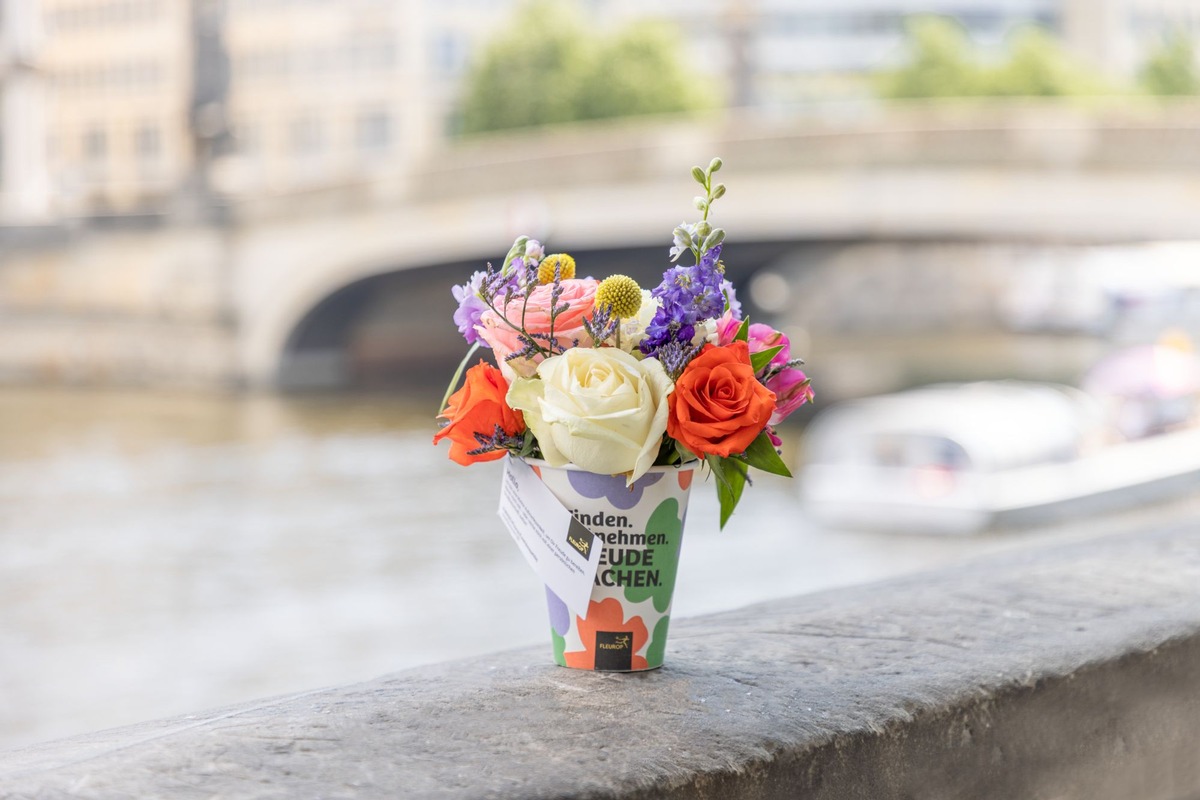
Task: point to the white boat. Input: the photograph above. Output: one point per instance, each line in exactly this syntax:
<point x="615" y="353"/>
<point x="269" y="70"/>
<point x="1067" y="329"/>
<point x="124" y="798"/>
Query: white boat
<point x="959" y="458"/>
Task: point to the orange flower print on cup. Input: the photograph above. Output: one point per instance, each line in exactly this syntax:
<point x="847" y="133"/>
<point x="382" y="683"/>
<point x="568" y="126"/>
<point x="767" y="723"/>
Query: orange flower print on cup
<point x="611" y="641"/>
<point x="718" y="406"/>
<point x="478" y="407"/>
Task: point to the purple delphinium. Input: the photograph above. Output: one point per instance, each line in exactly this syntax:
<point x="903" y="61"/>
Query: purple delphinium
<point x="695" y="291"/>
<point x="687" y="296"/>
<point x="734" y="305"/>
<point x="665" y="327"/>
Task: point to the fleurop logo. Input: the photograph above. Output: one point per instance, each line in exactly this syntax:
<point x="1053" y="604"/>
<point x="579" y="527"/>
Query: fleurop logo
<point x="580" y="538"/>
<point x="614" y="650"/>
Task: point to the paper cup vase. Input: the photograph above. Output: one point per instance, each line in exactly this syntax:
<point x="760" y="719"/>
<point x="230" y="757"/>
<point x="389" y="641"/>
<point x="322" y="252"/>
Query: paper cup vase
<point x="625" y="628"/>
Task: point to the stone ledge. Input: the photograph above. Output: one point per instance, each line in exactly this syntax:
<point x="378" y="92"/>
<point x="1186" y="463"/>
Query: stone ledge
<point x="1069" y="672"/>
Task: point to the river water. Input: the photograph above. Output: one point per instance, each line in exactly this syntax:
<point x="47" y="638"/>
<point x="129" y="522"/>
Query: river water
<point x="163" y="554"/>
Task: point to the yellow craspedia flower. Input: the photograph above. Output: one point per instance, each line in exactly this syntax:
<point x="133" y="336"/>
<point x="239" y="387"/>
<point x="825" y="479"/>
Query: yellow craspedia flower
<point x="622" y="293"/>
<point x="564" y="263"/>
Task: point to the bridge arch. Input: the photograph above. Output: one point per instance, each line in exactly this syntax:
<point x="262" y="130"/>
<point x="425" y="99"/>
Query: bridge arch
<point x="895" y="173"/>
<point x="383" y="323"/>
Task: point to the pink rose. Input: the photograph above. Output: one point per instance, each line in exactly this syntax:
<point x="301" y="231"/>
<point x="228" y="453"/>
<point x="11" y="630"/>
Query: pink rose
<point x="792" y="390"/>
<point x="579" y="295"/>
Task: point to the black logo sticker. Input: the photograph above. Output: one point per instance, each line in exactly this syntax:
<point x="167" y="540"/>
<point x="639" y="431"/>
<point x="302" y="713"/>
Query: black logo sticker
<point x="580" y="538"/>
<point x="614" y="650"/>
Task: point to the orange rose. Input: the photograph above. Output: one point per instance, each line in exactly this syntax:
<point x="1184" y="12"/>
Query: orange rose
<point x="478" y="407"/>
<point x="718" y="406"/>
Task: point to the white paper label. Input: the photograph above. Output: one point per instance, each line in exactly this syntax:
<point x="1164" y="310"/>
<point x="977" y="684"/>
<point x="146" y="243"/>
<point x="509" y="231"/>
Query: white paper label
<point x="563" y="552"/>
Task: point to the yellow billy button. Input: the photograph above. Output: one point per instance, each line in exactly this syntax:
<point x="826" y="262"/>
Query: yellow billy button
<point x="563" y="262"/>
<point x="622" y="293"/>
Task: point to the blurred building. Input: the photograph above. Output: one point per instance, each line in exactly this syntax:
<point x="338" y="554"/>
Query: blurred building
<point x="322" y="91"/>
<point x="24" y="180"/>
<point x="133" y="105"/>
<point x="796" y="52"/>
<point x="120" y="75"/>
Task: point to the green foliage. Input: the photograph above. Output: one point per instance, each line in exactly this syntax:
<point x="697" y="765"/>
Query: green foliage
<point x="1039" y="66"/>
<point x="547" y="68"/>
<point x="1171" y="69"/>
<point x="638" y="71"/>
<point x="944" y="64"/>
<point x="528" y="74"/>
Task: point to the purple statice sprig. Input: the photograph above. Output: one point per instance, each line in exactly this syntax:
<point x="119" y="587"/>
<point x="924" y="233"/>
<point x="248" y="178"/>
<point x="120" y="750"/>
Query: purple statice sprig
<point x="602" y="326"/>
<point x="771" y="371"/>
<point x="675" y="355"/>
<point x="520" y="445"/>
<point x="520" y="283"/>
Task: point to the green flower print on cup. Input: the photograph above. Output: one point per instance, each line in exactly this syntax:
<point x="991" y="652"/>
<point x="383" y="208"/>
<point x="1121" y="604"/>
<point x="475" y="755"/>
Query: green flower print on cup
<point x="664" y="523"/>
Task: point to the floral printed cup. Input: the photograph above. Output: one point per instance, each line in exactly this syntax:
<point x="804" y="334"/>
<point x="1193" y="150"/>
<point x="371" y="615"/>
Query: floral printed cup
<point x="625" y="627"/>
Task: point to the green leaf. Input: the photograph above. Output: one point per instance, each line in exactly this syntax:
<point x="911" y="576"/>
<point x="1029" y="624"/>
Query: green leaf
<point x="743" y="334"/>
<point x="685" y="455"/>
<point x="527" y="444"/>
<point x="761" y="455"/>
<point x="729" y="493"/>
<point x="457" y="377"/>
<point x="763" y="357"/>
<point x="718" y="469"/>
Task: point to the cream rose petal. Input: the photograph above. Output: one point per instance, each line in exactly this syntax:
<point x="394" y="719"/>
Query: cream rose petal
<point x="599" y="409"/>
<point x="525" y="395"/>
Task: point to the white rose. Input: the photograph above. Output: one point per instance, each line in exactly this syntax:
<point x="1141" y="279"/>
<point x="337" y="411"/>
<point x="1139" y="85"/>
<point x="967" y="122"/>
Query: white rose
<point x="600" y="409"/>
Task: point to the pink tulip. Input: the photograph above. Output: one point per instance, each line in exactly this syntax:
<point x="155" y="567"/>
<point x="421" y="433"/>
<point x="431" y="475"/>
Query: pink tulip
<point x="792" y="390"/>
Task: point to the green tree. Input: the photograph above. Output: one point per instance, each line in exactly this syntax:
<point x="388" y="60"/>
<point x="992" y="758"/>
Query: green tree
<point x="942" y="63"/>
<point x="528" y="74"/>
<point x="1171" y="69"/>
<point x="1039" y="66"/>
<point x="638" y="71"/>
<point x="547" y="68"/>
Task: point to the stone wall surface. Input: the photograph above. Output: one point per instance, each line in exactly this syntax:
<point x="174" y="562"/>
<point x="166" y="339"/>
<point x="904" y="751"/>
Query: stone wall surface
<point x="1064" y="672"/>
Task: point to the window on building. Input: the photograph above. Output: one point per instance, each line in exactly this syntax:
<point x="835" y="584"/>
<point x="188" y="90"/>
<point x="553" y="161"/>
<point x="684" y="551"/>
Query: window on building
<point x="307" y="137"/>
<point x="449" y="52"/>
<point x="373" y="131"/>
<point x="95" y="144"/>
<point x="246" y="137"/>
<point x="148" y="142"/>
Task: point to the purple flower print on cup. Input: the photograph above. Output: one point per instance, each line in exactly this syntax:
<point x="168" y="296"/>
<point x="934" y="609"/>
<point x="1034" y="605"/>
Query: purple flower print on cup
<point x="612" y="487"/>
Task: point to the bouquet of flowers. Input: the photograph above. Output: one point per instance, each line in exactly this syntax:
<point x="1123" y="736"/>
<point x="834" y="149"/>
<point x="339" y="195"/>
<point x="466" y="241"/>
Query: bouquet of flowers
<point x="615" y="379"/>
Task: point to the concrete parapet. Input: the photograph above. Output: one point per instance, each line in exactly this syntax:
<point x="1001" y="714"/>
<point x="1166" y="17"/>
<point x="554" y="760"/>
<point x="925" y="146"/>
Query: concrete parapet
<point x="1068" y="672"/>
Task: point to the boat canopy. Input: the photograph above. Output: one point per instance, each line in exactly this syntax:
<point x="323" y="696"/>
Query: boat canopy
<point x="996" y="424"/>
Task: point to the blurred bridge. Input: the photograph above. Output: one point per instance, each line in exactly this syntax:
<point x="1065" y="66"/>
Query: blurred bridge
<point x="266" y="291"/>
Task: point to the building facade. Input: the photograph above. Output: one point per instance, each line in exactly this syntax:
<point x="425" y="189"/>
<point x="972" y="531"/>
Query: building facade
<point x="119" y="74"/>
<point x="124" y="106"/>
<point x="24" y="177"/>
